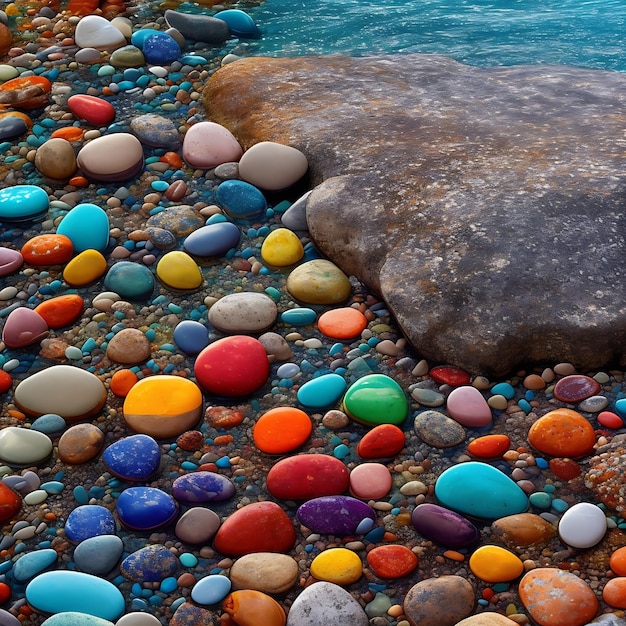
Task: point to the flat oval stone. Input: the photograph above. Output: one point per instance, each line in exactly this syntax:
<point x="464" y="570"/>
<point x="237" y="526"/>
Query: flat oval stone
<point x="23" y="446"/>
<point x="24" y="327"/>
<point x="271" y="165"/>
<point x="98" y="555"/>
<point x="439" y="601"/>
<point x="370" y="481"/>
<point x="87" y="226"/>
<point x="178" y="270"/>
<point x="392" y="561"/>
<point x="485" y="619"/>
<point x="68" y="391"/>
<point x="444" y="526"/>
<point x="145" y="508"/>
<point x="94" y="110"/>
<point x="575" y="388"/>
<point x="10" y="261"/>
<point x="321" y="391"/>
<point x="326" y="603"/>
<point x="335" y="515"/>
<point x="33" y="563"/>
<point x="111" y="158"/>
<point x="87" y="521"/>
<point x="583" y="525"/>
<point x="337" y="565"/>
<point x="438" y="430"/>
<point x="130" y="280"/>
<point x="93" y="31"/>
<point x="85" y="268"/>
<point x="149" y="564"/>
<point x="232" y="366"/>
<point x="240" y="200"/>
<point x="523" y="529"/>
<point x="307" y="476"/>
<point x="207" y="144"/>
<point x="129" y="346"/>
<point x="23" y="202"/>
<point x="343" y="323"/>
<point x="382" y="442"/>
<point x="494" y="564"/>
<point x="197" y="525"/>
<point x="479" y="490"/>
<point x="191" y="336"/>
<point x="243" y="312"/>
<point x="562" y="433"/>
<point x="319" y="282"/>
<point x="163" y="406"/>
<point x="281" y="248"/>
<point x="62" y="310"/>
<point x="281" y="429"/>
<point x="211" y="589"/>
<point x="80" y="443"/>
<point x="250" y="606"/>
<point x="468" y="407"/>
<point x="49" y="424"/>
<point x="213" y="239"/>
<point x="489" y="446"/>
<point x="300" y="316"/>
<point x="202" y="487"/>
<point x="133" y="458"/>
<point x="449" y="375"/>
<point x="65" y="590"/>
<point x="268" y="572"/>
<point x="48" y="249"/>
<point x="376" y="399"/>
<point x="204" y="28"/>
<point x="557" y="598"/>
<point x="155" y="130"/>
<point x="594" y="404"/>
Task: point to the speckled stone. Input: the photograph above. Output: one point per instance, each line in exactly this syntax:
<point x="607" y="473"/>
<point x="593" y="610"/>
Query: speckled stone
<point x="87" y="521"/>
<point x="438" y="430"/>
<point x="133" y="458"/>
<point x="439" y="601"/>
<point x="244" y="312"/>
<point x="319" y="282"/>
<point x="197" y="487"/>
<point x="181" y="220"/>
<point x="264" y="571"/>
<point x="523" y="529"/>
<point x="80" y="443"/>
<point x="335" y="515"/>
<point x="129" y="346"/>
<point x="150" y="564"/>
<point x="156" y="130"/>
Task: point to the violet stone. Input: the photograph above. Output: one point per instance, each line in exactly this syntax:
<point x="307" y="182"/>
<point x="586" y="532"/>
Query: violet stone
<point x="443" y="526"/>
<point x="134" y="458"/>
<point x="87" y="521"/>
<point x="335" y="515"/>
<point x="202" y="487"/>
<point x="145" y="508"/>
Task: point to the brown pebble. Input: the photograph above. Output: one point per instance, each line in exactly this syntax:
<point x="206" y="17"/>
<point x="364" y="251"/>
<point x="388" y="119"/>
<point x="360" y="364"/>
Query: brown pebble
<point x="177" y="191"/>
<point x="186" y="580"/>
<point x="190" y="441"/>
<point x="129" y="346"/>
<point x="80" y="444"/>
<point x="534" y="382"/>
<point x="524" y="529"/>
<point x="335" y="419"/>
<point x="440" y="601"/>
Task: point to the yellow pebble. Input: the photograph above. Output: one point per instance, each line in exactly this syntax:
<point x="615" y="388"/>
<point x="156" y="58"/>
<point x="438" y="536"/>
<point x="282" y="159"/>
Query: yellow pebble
<point x="495" y="565"/>
<point x="337" y="565"/>
<point x="178" y="270"/>
<point x="281" y="248"/>
<point x="11" y="10"/>
<point x="84" y="268"/>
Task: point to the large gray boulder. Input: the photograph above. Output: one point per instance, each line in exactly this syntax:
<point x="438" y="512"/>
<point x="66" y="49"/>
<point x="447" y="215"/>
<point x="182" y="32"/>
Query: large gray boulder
<point x="486" y="206"/>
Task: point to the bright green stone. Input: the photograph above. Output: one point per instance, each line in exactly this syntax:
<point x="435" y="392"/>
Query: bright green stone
<point x="376" y="399"/>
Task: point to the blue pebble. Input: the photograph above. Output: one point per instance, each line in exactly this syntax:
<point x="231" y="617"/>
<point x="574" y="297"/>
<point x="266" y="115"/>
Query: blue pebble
<point x="53" y="486"/>
<point x="211" y="589"/>
<point x="322" y="391"/>
<point x="49" y="423"/>
<point x="202" y="487"/>
<point x="33" y="563"/>
<point x="168" y="584"/>
<point x="98" y="555"/>
<point x="525" y="406"/>
<point x="89" y="520"/>
<point x="241" y="200"/>
<point x="12" y="127"/>
<point x="213" y="240"/>
<point x="139" y="36"/>
<point x="298" y="317"/>
<point x="87" y="226"/>
<point x="160" y="49"/>
<point x="288" y="370"/>
<point x="134" y="458"/>
<point x="188" y="560"/>
<point x="193" y="60"/>
<point x="341" y="451"/>
<point x="23" y="202"/>
<point x="150" y="564"/>
<point x="130" y="280"/>
<point x="503" y="389"/>
<point x="239" y="23"/>
<point x="145" y="508"/>
<point x="191" y="337"/>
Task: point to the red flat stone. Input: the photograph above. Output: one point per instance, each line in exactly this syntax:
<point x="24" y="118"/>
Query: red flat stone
<point x="257" y="527"/>
<point x="449" y="375"/>
<point x="61" y="311"/>
<point x="382" y="442"/>
<point x="10" y="503"/>
<point x="48" y="250"/>
<point x="608" y="419"/>
<point x="489" y="446"/>
<point x="392" y="561"/>
<point x="576" y="388"/>
<point x="5" y="381"/>
<point x="94" y="110"/>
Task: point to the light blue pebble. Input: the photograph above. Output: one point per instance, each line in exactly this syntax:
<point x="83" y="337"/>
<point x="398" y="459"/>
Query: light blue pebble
<point x="503" y="389"/>
<point x="139" y="36"/>
<point x="298" y="317"/>
<point x="168" y="584"/>
<point x="160" y="185"/>
<point x="72" y="618"/>
<point x="23" y="202"/>
<point x="193" y="60"/>
<point x="33" y="563"/>
<point x="87" y="226"/>
<point x="364" y="526"/>
<point x="560" y="506"/>
<point x="191" y="337"/>
<point x="211" y="589"/>
<point x="620" y="407"/>
<point x="239" y="23"/>
<point x="525" y="406"/>
<point x="322" y="391"/>
<point x="53" y="487"/>
<point x="49" y="423"/>
<point x="341" y="451"/>
<point x="73" y="353"/>
<point x="288" y="370"/>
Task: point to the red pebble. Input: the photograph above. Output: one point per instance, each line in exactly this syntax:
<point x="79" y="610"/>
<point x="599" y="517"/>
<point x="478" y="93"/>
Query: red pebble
<point x="5" y="381"/>
<point x="393" y="561"/>
<point x="608" y="419"/>
<point x="5" y="593"/>
<point x="382" y="442"/>
<point x="489" y="446"/>
<point x="10" y="503"/>
<point x="565" y="469"/>
<point x="94" y="110"/>
<point x="575" y="388"/>
<point x="48" y="250"/>
<point x="450" y="375"/>
<point x="62" y="310"/>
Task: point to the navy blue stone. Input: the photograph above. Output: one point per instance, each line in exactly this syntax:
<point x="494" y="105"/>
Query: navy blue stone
<point x="213" y="240"/>
<point x="12" y="127"/>
<point x="239" y="23"/>
<point x="335" y="515"/>
<point x="87" y="521"/>
<point x="161" y="49"/>
<point x="150" y="564"/>
<point x="191" y="337"/>
<point x="145" y="508"/>
<point x="134" y="458"/>
<point x="202" y="487"/>
<point x="241" y="200"/>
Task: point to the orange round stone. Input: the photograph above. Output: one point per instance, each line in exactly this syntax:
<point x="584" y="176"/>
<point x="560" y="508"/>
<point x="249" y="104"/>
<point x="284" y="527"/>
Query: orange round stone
<point x="281" y="430"/>
<point x="489" y="446"/>
<point x="614" y="592"/>
<point x="48" y="250"/>
<point x="69" y="133"/>
<point x="562" y="432"/>
<point x="62" y="310"/>
<point x="342" y="323"/>
<point x="617" y="561"/>
<point x="393" y="561"/>
<point x="122" y="382"/>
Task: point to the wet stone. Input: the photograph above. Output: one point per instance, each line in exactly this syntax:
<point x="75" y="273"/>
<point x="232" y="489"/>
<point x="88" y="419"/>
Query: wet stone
<point x="145" y="508"/>
<point x="181" y="220"/>
<point x="575" y="388"/>
<point x="133" y="458"/>
<point x="80" y="443"/>
<point x="335" y="515"/>
<point x="22" y="446"/>
<point x="438" y="430"/>
<point x="130" y="280"/>
<point x="243" y="313"/>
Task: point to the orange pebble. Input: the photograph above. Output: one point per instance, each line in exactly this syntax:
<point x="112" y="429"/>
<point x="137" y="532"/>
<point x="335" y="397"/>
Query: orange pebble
<point x="122" y="382"/>
<point x="489" y="446"/>
<point x="614" y="593"/>
<point x="617" y="561"/>
<point x="392" y="561"/>
<point x="453" y="555"/>
<point x="562" y="432"/>
<point x="78" y="181"/>
<point x="342" y="323"/>
<point x="608" y="419"/>
<point x="62" y="310"/>
<point x="281" y="430"/>
<point x="69" y="133"/>
<point x="488" y="593"/>
<point x="173" y="159"/>
<point x="18" y="415"/>
<point x="48" y="249"/>
<point x="223" y="439"/>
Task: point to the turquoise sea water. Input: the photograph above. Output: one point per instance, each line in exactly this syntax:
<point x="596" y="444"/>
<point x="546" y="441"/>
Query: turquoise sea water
<point x="589" y="33"/>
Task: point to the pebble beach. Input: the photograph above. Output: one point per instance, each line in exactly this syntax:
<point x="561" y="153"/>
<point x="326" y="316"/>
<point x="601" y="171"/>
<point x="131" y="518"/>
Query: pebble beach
<point x="204" y="421"/>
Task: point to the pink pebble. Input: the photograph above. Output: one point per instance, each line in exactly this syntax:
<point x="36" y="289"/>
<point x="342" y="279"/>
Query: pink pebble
<point x="370" y="481"/>
<point x="468" y="407"/>
<point x="23" y="327"/>
<point x="10" y="261"/>
<point x="207" y="144"/>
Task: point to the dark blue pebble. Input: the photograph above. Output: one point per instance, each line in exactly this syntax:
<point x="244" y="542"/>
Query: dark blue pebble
<point x="160" y="49"/>
<point x="12" y="127"/>
<point x="150" y="564"/>
<point x="202" y="487"/>
<point x="191" y="337"/>
<point x="89" y="520"/>
<point x="135" y="458"/>
<point x="145" y="508"/>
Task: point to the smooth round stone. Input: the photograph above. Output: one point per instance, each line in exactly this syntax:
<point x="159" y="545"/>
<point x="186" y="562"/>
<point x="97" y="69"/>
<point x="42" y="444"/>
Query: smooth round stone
<point x="232" y="366"/>
<point x="523" y="529"/>
<point x="133" y="458"/>
<point x="88" y="521"/>
<point x="391" y="561"/>
<point x="562" y="433"/>
<point x="376" y="399"/>
<point x="94" y="110"/>
<point x="73" y="618"/>
<point x="202" y="487"/>
<point x="438" y="430"/>
<point x="178" y="270"/>
<point x="191" y="336"/>
<point x="163" y="406"/>
<point x="85" y="268"/>
<point x="156" y="131"/>
<point x="145" y="508"/>
<point x="129" y="346"/>
<point x="594" y="404"/>
<point x="211" y="589"/>
<point x="281" y="248"/>
<point x="301" y="316"/>
<point x="10" y="503"/>
<point x="130" y="280"/>
<point x="204" y="28"/>
<point x="65" y="590"/>
<point x="342" y="323"/>
<point x="608" y="419"/>
<point x="319" y="282"/>
<point x="98" y="555"/>
<point x="307" y="476"/>
<point x="479" y="490"/>
<point x="125" y="57"/>
<point x="243" y="312"/>
<point x="111" y="158"/>
<point x="23" y="446"/>
<point x="575" y="388"/>
<point x="160" y="49"/>
<point x="80" y="443"/>
<point x="240" y="200"/>
<point x="337" y="565"/>
<point x="23" y="327"/>
<point x="256" y="527"/>
<point x="10" y="261"/>
<point x="324" y="603"/>
<point x="335" y="515"/>
<point x="33" y="563"/>
<point x="70" y="392"/>
<point x="382" y="442"/>
<point x="213" y="239"/>
<point x="23" y="202"/>
<point x="61" y="311"/>
<point x="582" y="525"/>
<point x="149" y="564"/>
<point x="468" y="407"/>
<point x="281" y="430"/>
<point x="370" y="481"/>
<point x="449" y="375"/>
<point x="267" y="572"/>
<point x="180" y="220"/>
<point x="48" y="249"/>
<point x="321" y="391"/>
<point x="49" y="424"/>
<point x="93" y="31"/>
<point x="489" y="446"/>
<point x="197" y="525"/>
<point x="239" y="23"/>
<point x="207" y="144"/>
<point x="557" y="598"/>
<point x="439" y="601"/>
<point x="272" y="166"/>
<point x="614" y="592"/>
<point x="494" y="564"/>
<point x="443" y="526"/>
<point x="87" y="226"/>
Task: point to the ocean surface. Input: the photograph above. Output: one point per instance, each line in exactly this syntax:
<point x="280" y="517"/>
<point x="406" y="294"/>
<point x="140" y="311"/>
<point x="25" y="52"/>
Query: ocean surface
<point x="590" y="33"/>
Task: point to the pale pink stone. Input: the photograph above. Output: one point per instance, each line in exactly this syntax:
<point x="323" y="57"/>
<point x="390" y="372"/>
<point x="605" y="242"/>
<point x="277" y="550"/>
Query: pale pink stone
<point x="370" y="481"/>
<point x="468" y="407"/>
<point x="23" y="327"/>
<point x="10" y="261"/>
<point x="207" y="145"/>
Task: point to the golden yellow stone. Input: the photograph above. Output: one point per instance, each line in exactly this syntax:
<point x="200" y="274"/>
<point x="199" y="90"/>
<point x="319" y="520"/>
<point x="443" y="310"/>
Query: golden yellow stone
<point x="319" y="282"/>
<point x="282" y="247"/>
<point x="85" y="268"/>
<point x="337" y="565"/>
<point x="178" y="270"/>
<point x="494" y="564"/>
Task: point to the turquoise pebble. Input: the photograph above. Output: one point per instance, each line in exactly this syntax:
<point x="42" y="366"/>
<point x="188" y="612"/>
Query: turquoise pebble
<point x="540" y="500"/>
<point x="87" y="226"/>
<point x="211" y="589"/>
<point x="193" y="60"/>
<point x="299" y="317"/>
<point x="240" y="200"/>
<point x="168" y="584"/>
<point x="503" y="389"/>
<point x="500" y="587"/>
<point x="322" y="391"/>
<point x="160" y="185"/>
<point x="524" y="405"/>
<point x="80" y="495"/>
<point x="560" y="506"/>
<point x="239" y="23"/>
<point x="73" y="353"/>
<point x="620" y="407"/>
<point x="73" y="618"/>
<point x="22" y="202"/>
<point x="31" y="564"/>
<point x="341" y="451"/>
<point x="53" y="487"/>
<point x="188" y="560"/>
<point x="129" y="280"/>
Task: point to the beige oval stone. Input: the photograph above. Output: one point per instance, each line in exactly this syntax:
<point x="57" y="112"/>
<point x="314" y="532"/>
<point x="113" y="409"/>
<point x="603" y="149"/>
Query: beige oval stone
<point x="243" y="313"/>
<point x="440" y="601"/>
<point x="80" y="444"/>
<point x="197" y="525"/>
<point x="486" y="619"/>
<point x="129" y="346"/>
<point x="523" y="529"/>
<point x="319" y="282"/>
<point x="272" y="166"/>
<point x="56" y="159"/>
<point x="276" y="346"/>
<point x="268" y="572"/>
<point x="110" y="158"/>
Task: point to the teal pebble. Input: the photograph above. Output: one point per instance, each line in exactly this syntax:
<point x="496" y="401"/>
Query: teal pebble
<point x="129" y="280"/>
<point x="168" y="584"/>
<point x="560" y="506"/>
<point x="53" y="487"/>
<point x="188" y="560"/>
<point x="31" y="564"/>
<point x="299" y="317"/>
<point x="503" y="389"/>
<point x="49" y="423"/>
<point x="341" y="451"/>
<point x="540" y="500"/>
<point x="322" y="391"/>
